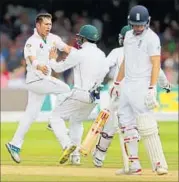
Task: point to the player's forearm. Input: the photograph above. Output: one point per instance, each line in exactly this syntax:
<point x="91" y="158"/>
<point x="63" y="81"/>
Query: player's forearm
<point x="162" y="79"/>
<point x="33" y="61"/>
<point x="58" y="66"/>
<point x="155" y="60"/>
<point x="63" y="65"/>
<point x="120" y="74"/>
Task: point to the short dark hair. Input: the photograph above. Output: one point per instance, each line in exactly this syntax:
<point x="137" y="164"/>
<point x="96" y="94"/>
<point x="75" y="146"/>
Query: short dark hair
<point x="40" y="16"/>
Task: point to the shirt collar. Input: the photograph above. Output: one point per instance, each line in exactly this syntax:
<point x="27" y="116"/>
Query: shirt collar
<point x="86" y="44"/>
<point x="37" y="34"/>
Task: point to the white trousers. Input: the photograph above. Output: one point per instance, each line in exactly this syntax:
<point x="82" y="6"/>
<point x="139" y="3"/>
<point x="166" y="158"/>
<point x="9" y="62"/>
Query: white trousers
<point x="37" y="91"/>
<point x="131" y="102"/>
<point x="75" y="110"/>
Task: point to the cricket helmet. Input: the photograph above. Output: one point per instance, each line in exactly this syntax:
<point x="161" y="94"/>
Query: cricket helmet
<point x="138" y="15"/>
<point x="89" y="32"/>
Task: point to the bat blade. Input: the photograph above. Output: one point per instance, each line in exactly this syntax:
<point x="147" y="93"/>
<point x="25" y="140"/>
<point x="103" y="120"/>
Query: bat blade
<point x="96" y="128"/>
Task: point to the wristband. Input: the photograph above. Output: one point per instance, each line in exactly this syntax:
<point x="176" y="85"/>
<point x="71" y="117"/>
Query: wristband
<point x="151" y="87"/>
<point x="116" y="83"/>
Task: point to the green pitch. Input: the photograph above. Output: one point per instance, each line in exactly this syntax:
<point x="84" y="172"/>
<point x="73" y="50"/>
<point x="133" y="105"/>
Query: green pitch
<point x="41" y="153"/>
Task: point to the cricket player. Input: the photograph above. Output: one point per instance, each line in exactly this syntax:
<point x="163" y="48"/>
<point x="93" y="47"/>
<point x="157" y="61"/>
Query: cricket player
<point x="89" y="69"/>
<point x="137" y="96"/>
<point x="110" y="128"/>
<point x="38" y="52"/>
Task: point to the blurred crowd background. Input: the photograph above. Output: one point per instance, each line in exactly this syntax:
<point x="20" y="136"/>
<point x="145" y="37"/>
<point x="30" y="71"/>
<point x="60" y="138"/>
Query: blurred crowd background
<point x="109" y="16"/>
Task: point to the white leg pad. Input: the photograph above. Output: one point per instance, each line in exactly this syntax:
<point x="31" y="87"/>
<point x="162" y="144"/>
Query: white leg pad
<point x="148" y="130"/>
<point x="130" y="134"/>
<point x="103" y="145"/>
<point x="129" y="138"/>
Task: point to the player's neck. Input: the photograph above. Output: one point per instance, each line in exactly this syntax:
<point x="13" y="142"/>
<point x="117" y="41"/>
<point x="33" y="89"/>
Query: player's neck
<point x="44" y="38"/>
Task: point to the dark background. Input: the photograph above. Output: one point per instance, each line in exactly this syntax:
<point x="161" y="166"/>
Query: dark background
<point x="111" y="16"/>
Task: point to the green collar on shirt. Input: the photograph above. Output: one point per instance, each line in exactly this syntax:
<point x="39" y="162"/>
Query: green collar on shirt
<point x="45" y="40"/>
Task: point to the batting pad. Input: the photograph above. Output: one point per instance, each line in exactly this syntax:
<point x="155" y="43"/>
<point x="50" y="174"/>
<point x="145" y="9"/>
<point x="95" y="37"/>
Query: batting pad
<point x="104" y="142"/>
<point x="148" y="130"/>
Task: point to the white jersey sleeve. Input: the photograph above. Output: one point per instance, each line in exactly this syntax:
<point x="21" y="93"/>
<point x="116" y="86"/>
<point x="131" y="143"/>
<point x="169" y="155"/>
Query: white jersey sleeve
<point x="114" y="60"/>
<point x="154" y="47"/>
<point x="104" y="71"/>
<point x="30" y="48"/>
<point x="59" y="43"/>
<point x="72" y="60"/>
<point x="112" y="57"/>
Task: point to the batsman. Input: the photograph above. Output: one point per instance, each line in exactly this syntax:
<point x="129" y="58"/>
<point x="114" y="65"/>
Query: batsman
<point x="129" y="117"/>
<point x="141" y="67"/>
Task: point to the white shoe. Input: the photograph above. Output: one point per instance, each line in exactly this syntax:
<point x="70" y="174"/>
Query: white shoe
<point x="75" y="160"/>
<point x="161" y="171"/>
<point x="97" y="162"/>
<point x="130" y="172"/>
<point x="14" y="152"/>
<point x="97" y="158"/>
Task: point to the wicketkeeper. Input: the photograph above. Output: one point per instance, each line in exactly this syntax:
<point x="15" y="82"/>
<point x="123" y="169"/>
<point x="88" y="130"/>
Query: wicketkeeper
<point x="89" y="71"/>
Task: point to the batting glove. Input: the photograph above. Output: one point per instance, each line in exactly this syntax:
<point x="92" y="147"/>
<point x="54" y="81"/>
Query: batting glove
<point x="150" y="99"/>
<point x="115" y="90"/>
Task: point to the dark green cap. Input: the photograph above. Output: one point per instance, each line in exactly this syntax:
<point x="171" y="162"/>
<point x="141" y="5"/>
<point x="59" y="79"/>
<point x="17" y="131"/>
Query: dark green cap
<point x="125" y="29"/>
<point x="89" y="32"/>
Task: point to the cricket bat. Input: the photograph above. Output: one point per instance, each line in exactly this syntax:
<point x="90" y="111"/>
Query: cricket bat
<point x="94" y="131"/>
<point x="97" y="126"/>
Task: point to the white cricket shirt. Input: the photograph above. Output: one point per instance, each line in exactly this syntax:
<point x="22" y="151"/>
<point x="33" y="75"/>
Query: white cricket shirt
<point x="37" y="47"/>
<point x="88" y="63"/>
<point x="137" y="52"/>
<point x="114" y="59"/>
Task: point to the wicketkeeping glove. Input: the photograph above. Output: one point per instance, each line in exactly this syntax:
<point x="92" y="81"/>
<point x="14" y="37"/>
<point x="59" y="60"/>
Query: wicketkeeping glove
<point x="167" y="87"/>
<point x="150" y="99"/>
<point x="95" y="92"/>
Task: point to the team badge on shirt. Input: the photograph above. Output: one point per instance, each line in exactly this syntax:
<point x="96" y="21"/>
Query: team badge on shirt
<point x="54" y="44"/>
<point x="28" y="45"/>
<point x="28" y="48"/>
<point x="41" y="46"/>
